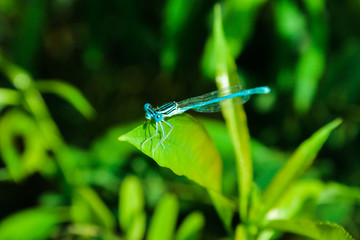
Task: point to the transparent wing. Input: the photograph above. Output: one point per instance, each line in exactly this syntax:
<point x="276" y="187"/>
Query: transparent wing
<point x="211" y="102"/>
<point x="216" y="106"/>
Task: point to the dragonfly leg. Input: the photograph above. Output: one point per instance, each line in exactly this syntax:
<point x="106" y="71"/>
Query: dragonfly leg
<point x="168" y="134"/>
<point x="156" y="133"/>
<point x="161" y="141"/>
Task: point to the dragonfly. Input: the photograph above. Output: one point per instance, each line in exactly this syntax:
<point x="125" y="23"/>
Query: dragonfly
<point x="210" y="102"/>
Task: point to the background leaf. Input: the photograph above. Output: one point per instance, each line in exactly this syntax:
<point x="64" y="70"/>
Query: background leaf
<point x="22" y="225"/>
<point x="163" y="221"/>
<point x="301" y="159"/>
<point x="69" y="93"/>
<point x="190" y="228"/>
<point x="131" y="202"/>
<point x="22" y="147"/>
<point x="313" y="230"/>
<point x="89" y="207"/>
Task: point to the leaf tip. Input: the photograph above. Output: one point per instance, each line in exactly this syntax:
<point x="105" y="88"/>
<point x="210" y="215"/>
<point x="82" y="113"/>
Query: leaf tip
<point x="122" y="138"/>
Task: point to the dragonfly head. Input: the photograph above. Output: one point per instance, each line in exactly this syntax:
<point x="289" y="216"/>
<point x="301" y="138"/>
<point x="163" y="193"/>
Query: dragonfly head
<point x="150" y="113"/>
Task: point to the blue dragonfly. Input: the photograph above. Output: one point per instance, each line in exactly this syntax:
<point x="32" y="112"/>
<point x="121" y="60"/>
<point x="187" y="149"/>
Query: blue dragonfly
<point x="210" y="102"/>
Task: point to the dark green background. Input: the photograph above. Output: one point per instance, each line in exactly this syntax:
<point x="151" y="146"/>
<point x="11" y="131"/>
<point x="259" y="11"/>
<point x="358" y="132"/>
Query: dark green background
<point x="122" y="54"/>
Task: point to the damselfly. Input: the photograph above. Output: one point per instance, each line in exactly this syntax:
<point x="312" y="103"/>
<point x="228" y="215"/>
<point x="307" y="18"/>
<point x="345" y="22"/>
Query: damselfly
<point x="210" y="102"/>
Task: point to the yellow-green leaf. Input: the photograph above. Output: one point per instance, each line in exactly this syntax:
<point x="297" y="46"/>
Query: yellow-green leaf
<point x="31" y="224"/>
<point x="299" y="161"/>
<point x="89" y="207"/>
<point x="234" y="115"/>
<point x="188" y="151"/>
<point x="311" y="229"/>
<point x="191" y="227"/>
<point x="163" y="222"/>
<point x="69" y="93"/>
<point x="131" y="201"/>
<point x="15" y="125"/>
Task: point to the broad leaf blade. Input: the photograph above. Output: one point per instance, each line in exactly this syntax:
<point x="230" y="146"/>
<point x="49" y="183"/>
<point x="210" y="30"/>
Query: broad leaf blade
<point x="189" y="150"/>
<point x="301" y="159"/>
<point x="311" y="229"/>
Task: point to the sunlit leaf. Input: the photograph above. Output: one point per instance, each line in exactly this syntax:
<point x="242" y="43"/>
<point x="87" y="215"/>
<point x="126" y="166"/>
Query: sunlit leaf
<point x="191" y="227"/>
<point x="69" y="93"/>
<point x="136" y="230"/>
<point x="293" y="200"/>
<point x="310" y="229"/>
<point x="240" y="232"/>
<point x="234" y="115"/>
<point x="163" y="221"/>
<point x="188" y="151"/>
<point x="131" y="201"/>
<point x="32" y="224"/>
<point x="337" y="203"/>
<point x="301" y="159"/>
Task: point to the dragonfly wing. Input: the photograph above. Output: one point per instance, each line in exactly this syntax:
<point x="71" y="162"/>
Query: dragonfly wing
<point x="213" y="107"/>
<point x="216" y="106"/>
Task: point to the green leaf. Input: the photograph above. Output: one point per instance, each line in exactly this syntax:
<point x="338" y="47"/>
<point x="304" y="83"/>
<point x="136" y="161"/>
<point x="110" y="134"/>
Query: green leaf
<point x="240" y="232"/>
<point x="131" y="201"/>
<point x="337" y="203"/>
<point x="30" y="224"/>
<point x="293" y="200"/>
<point x="175" y="22"/>
<point x="189" y="150"/>
<point x="191" y="227"/>
<point x="137" y="229"/>
<point x="15" y="126"/>
<point x="88" y="207"/>
<point x="239" y="18"/>
<point x="108" y="152"/>
<point x="163" y="222"/>
<point x="224" y="207"/>
<point x="234" y="115"/>
<point x="308" y="73"/>
<point x="290" y="21"/>
<point x="9" y="97"/>
<point x="69" y="93"/>
<point x="311" y="229"/>
<point x="299" y="161"/>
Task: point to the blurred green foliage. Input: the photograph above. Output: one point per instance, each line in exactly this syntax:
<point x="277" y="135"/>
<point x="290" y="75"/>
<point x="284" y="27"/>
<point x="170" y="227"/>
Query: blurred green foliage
<point x="74" y="76"/>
